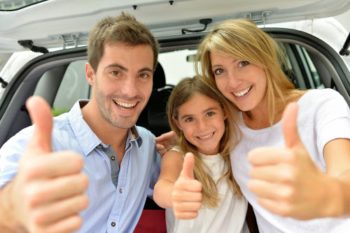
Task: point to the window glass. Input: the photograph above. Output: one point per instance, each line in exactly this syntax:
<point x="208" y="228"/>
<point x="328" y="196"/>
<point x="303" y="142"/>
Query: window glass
<point x="177" y="65"/>
<point x="72" y="88"/>
<point x="313" y="77"/>
<point x="10" y="5"/>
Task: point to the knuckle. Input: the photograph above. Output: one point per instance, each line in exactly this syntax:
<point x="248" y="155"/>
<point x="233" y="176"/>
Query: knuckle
<point x="31" y="196"/>
<point x="84" y="202"/>
<point x="286" y="210"/>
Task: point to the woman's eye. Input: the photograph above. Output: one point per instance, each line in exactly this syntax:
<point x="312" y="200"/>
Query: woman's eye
<point x="243" y="63"/>
<point x="218" y="71"/>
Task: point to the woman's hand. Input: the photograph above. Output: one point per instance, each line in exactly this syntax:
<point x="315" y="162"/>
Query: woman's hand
<point x="286" y="181"/>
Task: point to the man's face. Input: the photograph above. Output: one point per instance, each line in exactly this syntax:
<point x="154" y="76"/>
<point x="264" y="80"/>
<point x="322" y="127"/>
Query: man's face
<point x="122" y="83"/>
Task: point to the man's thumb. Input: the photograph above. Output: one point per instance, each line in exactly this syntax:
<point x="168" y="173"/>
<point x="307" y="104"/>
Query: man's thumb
<point x="188" y="166"/>
<point x="40" y="114"/>
<point x="289" y="125"/>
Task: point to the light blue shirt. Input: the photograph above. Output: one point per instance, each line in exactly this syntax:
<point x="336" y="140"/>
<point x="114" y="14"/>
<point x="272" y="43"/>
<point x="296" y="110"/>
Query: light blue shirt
<point x="112" y="207"/>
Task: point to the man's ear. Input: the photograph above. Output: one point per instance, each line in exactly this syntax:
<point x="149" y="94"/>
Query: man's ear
<point x="89" y="74"/>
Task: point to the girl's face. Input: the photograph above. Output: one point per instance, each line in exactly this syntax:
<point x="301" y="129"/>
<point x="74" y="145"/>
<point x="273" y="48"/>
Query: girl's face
<point x="244" y="84"/>
<point x="201" y="119"/>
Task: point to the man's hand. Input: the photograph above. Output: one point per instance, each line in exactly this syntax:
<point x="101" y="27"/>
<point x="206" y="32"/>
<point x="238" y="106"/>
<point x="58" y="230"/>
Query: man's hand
<point x="165" y="142"/>
<point x="187" y="192"/>
<point x="48" y="192"/>
<point x="285" y="180"/>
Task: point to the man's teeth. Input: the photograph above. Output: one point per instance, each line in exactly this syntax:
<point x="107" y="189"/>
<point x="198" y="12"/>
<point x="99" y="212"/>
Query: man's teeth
<point x="125" y="105"/>
<point x="242" y="93"/>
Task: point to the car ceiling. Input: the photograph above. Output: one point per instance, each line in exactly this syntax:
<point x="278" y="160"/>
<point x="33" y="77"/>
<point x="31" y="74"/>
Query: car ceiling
<point x="49" y="22"/>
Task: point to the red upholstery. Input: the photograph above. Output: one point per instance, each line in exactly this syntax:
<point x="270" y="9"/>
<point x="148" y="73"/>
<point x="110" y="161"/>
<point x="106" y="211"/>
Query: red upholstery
<point x="151" y="221"/>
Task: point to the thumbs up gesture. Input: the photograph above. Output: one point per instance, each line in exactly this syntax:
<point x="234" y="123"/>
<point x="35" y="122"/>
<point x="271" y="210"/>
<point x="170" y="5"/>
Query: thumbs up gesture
<point x="285" y="180"/>
<point x="48" y="192"/>
<point x="187" y="191"/>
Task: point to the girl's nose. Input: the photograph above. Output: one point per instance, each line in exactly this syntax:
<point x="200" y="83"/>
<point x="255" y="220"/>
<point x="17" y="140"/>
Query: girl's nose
<point x="202" y="124"/>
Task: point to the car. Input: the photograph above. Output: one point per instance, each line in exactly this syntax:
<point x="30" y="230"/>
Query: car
<point x="44" y="45"/>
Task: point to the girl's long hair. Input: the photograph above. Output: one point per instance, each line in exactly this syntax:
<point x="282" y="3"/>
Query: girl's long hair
<point x="183" y="91"/>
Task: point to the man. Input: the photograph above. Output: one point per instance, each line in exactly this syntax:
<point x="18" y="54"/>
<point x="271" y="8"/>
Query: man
<point x="95" y="172"/>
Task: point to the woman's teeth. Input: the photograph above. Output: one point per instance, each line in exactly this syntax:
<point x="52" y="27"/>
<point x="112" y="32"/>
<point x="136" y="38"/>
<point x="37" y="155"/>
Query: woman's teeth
<point x="242" y="92"/>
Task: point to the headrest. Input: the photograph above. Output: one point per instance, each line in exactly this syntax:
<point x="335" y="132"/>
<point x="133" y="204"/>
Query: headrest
<point x="159" y="77"/>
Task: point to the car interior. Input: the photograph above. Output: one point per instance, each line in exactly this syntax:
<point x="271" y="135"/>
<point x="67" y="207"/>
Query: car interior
<point x="59" y="78"/>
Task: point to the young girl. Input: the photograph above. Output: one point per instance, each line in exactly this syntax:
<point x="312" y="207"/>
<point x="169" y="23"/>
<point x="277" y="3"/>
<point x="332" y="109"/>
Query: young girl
<point x="201" y="186"/>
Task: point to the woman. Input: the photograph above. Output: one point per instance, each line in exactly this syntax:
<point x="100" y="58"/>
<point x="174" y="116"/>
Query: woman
<point x="296" y="165"/>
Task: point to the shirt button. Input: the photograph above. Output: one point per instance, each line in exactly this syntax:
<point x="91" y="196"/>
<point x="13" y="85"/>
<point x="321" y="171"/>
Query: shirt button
<point x="113" y="158"/>
<point x="113" y="224"/>
<point x="120" y="190"/>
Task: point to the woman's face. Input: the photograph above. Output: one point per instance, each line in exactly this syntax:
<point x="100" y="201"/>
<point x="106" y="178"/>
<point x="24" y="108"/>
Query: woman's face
<point x="244" y="84"/>
<point x="202" y="121"/>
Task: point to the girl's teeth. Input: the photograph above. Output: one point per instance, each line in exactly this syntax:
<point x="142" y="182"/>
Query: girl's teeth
<point x="206" y="136"/>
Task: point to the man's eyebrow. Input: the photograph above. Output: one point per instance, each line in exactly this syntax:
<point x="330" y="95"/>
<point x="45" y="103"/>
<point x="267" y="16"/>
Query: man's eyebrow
<point x="126" y="69"/>
<point x="116" y="66"/>
<point x="147" y="69"/>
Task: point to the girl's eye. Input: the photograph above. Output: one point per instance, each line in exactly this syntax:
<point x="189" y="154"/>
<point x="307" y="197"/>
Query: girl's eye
<point x="243" y="63"/>
<point x="188" y="119"/>
<point x="211" y="113"/>
<point x="218" y="71"/>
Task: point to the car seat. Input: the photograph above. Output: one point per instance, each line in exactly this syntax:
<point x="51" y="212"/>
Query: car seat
<point x="154" y="117"/>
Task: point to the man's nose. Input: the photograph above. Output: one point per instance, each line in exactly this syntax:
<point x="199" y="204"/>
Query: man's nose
<point x="129" y="87"/>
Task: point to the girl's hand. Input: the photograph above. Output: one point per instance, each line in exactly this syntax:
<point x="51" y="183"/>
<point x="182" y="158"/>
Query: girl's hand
<point x="187" y="192"/>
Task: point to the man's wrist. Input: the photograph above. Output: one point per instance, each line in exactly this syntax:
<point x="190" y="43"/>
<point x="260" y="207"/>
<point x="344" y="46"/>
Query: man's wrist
<point x="8" y="221"/>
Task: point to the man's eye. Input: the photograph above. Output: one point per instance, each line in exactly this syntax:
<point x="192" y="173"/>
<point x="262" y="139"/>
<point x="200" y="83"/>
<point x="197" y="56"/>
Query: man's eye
<point x="115" y="73"/>
<point x="145" y="76"/>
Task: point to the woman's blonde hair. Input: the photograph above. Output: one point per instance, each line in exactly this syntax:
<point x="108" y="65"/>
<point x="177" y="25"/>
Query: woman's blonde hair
<point x="182" y="93"/>
<point x="243" y="40"/>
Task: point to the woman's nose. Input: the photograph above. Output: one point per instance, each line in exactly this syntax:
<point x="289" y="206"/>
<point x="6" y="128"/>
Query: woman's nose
<point x="233" y="79"/>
